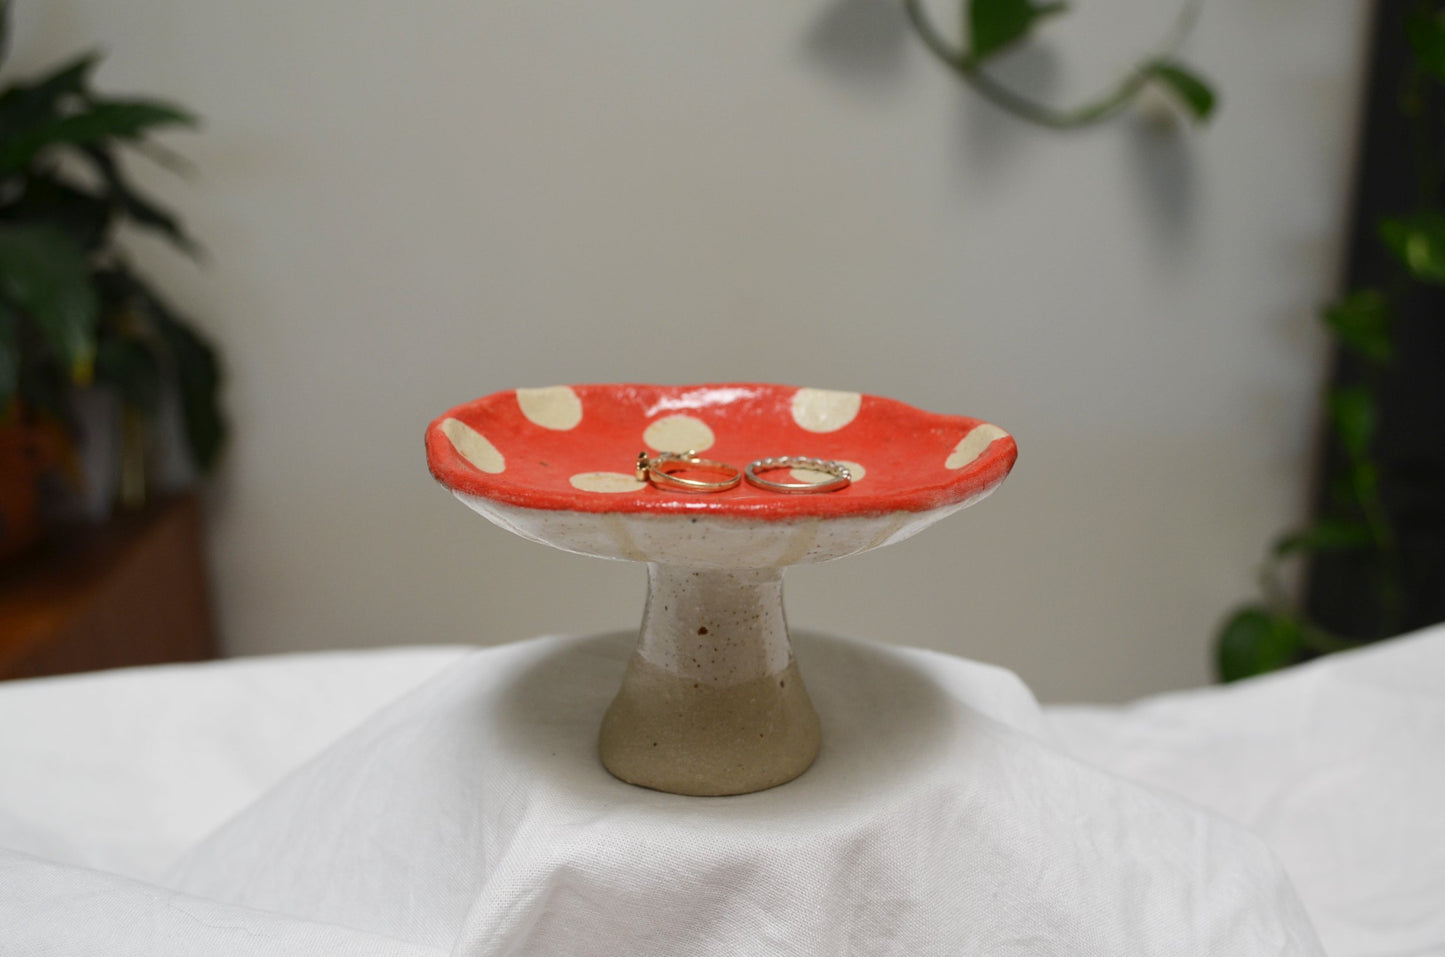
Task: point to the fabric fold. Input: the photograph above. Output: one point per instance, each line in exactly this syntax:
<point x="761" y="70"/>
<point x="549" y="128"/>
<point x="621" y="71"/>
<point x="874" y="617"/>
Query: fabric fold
<point x="473" y="815"/>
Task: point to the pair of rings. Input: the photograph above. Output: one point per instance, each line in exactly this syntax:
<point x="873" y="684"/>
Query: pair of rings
<point x="662" y="471"/>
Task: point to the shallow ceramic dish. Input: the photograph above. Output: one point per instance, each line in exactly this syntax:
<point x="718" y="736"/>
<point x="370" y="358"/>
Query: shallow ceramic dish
<point x="712" y="702"/>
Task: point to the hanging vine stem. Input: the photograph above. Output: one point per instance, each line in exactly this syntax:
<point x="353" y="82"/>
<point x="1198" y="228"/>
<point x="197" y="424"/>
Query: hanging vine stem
<point x="1158" y="66"/>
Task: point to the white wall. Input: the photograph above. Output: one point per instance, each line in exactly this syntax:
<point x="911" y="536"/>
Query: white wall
<point x="409" y="205"/>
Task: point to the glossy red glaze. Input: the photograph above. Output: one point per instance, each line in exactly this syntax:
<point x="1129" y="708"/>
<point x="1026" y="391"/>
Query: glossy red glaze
<point x="902" y="450"/>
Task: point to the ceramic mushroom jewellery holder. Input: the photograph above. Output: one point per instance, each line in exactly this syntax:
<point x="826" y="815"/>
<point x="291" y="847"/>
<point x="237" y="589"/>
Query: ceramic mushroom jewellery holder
<point x="717" y="488"/>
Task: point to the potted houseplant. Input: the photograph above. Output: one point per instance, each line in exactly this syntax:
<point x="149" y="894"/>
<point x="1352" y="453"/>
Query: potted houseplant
<point x="75" y="313"/>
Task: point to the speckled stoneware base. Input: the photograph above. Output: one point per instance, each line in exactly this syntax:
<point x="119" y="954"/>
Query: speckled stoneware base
<point x="671" y="734"/>
<point x="712" y="702"/>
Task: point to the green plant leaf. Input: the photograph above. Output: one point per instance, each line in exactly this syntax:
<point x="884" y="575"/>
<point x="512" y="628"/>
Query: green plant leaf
<point x="1418" y="241"/>
<point x="46" y="391"/>
<point x="1326" y="534"/>
<point x="9" y="356"/>
<point x="45" y="275"/>
<point x="137" y="207"/>
<point x="1364" y="480"/>
<point x="1425" y="31"/>
<point x="23" y="106"/>
<point x="995" y="24"/>
<point x="1188" y="87"/>
<point x="198" y="380"/>
<point x="104" y="120"/>
<point x="129" y="366"/>
<point x="1352" y="411"/>
<point x="1362" y="323"/>
<point x="1255" y="641"/>
<point x="55" y="201"/>
<point x="68" y="79"/>
<point x="187" y="359"/>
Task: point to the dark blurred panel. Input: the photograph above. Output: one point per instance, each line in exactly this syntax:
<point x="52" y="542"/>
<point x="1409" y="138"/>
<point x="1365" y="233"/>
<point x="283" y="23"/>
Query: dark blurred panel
<point x="1399" y="170"/>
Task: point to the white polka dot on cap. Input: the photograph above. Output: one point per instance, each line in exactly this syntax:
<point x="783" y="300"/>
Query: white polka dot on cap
<point x="822" y="410"/>
<point x="609" y="482"/>
<point x="473" y="446"/>
<point x="678" y="433"/>
<point x="972" y="445"/>
<point x="556" y="407"/>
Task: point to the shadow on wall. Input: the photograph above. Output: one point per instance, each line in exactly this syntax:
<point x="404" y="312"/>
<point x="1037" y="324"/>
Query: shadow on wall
<point x="1163" y="165"/>
<point x="989" y="138"/>
<point x="859" y="41"/>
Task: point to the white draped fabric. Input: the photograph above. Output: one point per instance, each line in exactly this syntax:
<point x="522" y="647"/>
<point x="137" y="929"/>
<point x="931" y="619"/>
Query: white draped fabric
<point x="428" y="801"/>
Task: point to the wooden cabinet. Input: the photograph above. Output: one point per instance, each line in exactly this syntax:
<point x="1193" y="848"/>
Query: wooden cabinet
<point x="131" y="592"/>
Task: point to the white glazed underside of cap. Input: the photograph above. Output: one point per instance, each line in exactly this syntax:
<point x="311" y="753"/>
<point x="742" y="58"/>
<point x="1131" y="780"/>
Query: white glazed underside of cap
<point x="708" y="541"/>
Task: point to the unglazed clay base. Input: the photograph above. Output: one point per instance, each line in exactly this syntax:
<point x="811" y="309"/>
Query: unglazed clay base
<point x="712" y="702"/>
<point x="671" y="734"/>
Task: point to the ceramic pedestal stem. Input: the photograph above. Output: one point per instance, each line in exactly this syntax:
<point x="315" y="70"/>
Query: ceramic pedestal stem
<point x="712" y="702"/>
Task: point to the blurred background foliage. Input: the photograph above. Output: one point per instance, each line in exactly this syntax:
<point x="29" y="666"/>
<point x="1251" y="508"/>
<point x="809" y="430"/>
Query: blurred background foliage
<point x="1375" y="549"/>
<point x="993" y="27"/>
<point x="74" y="312"/>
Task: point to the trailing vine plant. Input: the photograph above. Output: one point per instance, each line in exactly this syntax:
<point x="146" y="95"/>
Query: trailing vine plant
<point x="992" y="27"/>
<point x="1353" y="517"/>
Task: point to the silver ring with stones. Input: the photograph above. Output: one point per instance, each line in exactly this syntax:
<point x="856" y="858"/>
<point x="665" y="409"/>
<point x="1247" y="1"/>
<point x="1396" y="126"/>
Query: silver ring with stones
<point x="841" y="476"/>
<point x="661" y="470"/>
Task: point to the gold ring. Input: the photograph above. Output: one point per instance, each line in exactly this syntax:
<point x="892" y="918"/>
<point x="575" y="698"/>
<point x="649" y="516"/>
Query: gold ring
<point x="661" y="471"/>
<point x="842" y="477"/>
